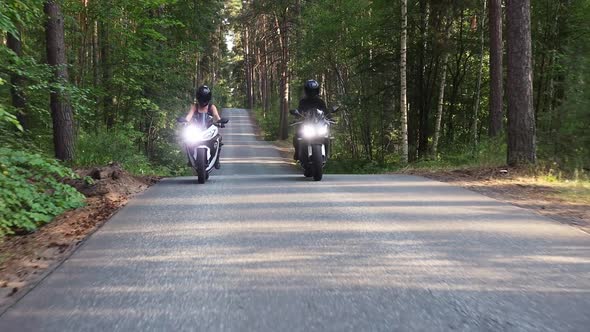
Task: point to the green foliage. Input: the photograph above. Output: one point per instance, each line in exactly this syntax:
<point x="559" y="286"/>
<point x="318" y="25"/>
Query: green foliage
<point x="356" y="166"/>
<point x="17" y="12"/>
<point x="119" y="145"/>
<point x="490" y="153"/>
<point x="8" y="118"/>
<point x="268" y="123"/>
<point x="32" y="190"/>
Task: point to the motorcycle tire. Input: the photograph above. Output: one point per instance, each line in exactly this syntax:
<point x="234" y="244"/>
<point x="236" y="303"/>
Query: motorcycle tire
<point x="201" y="165"/>
<point x="307" y="172"/>
<point x="317" y="162"/>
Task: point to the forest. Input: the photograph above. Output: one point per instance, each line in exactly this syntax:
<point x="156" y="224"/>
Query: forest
<point x="433" y="83"/>
<point x="461" y="78"/>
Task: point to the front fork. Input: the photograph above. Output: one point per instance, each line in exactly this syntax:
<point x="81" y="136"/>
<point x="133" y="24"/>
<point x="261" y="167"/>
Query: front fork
<point x="305" y="149"/>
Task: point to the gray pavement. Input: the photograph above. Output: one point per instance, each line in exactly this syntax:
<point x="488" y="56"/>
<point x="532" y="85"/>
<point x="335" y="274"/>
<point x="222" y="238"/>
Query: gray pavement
<point x="260" y="248"/>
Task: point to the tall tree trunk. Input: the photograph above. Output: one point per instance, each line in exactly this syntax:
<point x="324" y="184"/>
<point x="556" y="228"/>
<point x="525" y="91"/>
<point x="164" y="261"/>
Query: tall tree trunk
<point x="284" y="105"/>
<point x="248" y="61"/>
<point x="95" y="55"/>
<point x="17" y="82"/>
<point x="196" y="77"/>
<point x="403" y="83"/>
<point x="423" y="93"/>
<point x="474" y="123"/>
<point x="96" y="69"/>
<point x="496" y="69"/>
<point x="104" y="42"/>
<point x="61" y="111"/>
<point x="267" y="81"/>
<point x="521" y="116"/>
<point x="441" y="99"/>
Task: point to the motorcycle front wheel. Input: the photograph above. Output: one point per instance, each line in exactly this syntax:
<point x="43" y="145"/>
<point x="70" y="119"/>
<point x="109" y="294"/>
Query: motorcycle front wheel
<point x="317" y="162"/>
<point x="201" y="165"/>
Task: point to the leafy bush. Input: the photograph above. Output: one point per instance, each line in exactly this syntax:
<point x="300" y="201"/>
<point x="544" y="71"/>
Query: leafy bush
<point x="118" y="145"/>
<point x="169" y="157"/>
<point x="351" y="166"/>
<point x="269" y="123"/>
<point x="32" y="193"/>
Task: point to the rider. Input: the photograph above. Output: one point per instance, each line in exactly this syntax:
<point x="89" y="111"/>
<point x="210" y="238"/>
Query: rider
<point x="202" y="104"/>
<point x="310" y="102"/>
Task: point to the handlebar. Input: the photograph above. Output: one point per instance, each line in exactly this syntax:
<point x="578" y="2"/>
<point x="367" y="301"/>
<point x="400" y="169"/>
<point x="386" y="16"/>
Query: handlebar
<point x="221" y="123"/>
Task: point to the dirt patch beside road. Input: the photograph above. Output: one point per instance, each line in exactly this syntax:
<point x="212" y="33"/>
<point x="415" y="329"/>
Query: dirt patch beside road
<point x="26" y="259"/>
<point x="520" y="188"/>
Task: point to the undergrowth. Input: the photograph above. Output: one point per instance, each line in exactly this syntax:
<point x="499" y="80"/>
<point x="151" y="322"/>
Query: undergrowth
<point x="121" y="146"/>
<point x="32" y="191"/>
<point x="268" y="122"/>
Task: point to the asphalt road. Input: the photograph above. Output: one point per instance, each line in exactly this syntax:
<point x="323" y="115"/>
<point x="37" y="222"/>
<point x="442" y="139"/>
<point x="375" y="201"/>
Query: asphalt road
<point x="260" y="248"/>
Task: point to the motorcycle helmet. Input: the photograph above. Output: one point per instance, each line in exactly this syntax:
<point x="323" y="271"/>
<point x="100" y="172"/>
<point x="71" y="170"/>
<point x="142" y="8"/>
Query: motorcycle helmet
<point x="203" y="95"/>
<point x="312" y="88"/>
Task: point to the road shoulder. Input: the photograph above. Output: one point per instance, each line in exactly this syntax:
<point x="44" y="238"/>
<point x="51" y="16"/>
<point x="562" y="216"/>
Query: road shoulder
<point x="513" y="187"/>
<point x="28" y="258"/>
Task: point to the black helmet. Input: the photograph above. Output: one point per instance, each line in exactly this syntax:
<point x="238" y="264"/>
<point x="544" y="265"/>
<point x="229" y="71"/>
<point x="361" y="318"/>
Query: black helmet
<point x="312" y="88"/>
<point x="203" y="95"/>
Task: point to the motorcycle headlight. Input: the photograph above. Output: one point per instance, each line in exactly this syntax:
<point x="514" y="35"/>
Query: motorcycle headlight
<point x="192" y="134"/>
<point x="308" y="131"/>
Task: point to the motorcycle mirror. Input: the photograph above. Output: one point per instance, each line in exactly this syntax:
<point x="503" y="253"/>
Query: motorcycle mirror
<point x="223" y="121"/>
<point x="294" y="112"/>
<point x="181" y="119"/>
<point x="335" y="109"/>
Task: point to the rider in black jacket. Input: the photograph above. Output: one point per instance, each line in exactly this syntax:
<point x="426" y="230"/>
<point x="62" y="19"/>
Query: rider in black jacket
<point x="310" y="102"/>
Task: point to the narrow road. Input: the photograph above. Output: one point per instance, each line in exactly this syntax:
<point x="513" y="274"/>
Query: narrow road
<point x="260" y="248"/>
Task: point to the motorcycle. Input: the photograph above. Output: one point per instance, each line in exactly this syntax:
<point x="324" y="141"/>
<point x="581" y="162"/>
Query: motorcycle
<point x="202" y="143"/>
<point x="314" y="141"/>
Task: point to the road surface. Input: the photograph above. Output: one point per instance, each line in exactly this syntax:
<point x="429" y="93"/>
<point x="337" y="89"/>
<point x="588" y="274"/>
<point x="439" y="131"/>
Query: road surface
<point x="260" y="248"/>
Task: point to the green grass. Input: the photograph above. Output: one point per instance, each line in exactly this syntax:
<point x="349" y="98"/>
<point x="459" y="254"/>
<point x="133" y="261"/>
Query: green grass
<point x="571" y="187"/>
<point x="489" y="154"/>
<point x="576" y="193"/>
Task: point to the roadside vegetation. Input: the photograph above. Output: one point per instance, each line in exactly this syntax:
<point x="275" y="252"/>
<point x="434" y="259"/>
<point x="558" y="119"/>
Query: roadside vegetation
<point x="459" y="84"/>
<point x="106" y="83"/>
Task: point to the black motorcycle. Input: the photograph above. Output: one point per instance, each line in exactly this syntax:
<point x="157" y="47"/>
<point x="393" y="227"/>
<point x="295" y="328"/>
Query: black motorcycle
<point x="313" y="141"/>
<point x="202" y="143"/>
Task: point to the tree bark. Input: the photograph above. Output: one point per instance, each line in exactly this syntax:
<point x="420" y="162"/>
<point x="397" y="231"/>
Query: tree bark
<point x="104" y="45"/>
<point x="403" y="83"/>
<point x="474" y="123"/>
<point x="61" y="111"/>
<point x="441" y="99"/>
<point x="521" y="116"/>
<point x="266" y="91"/>
<point x="284" y="69"/>
<point x="17" y="82"/>
<point x="496" y="69"/>
<point x="248" y="61"/>
<point x="424" y="92"/>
